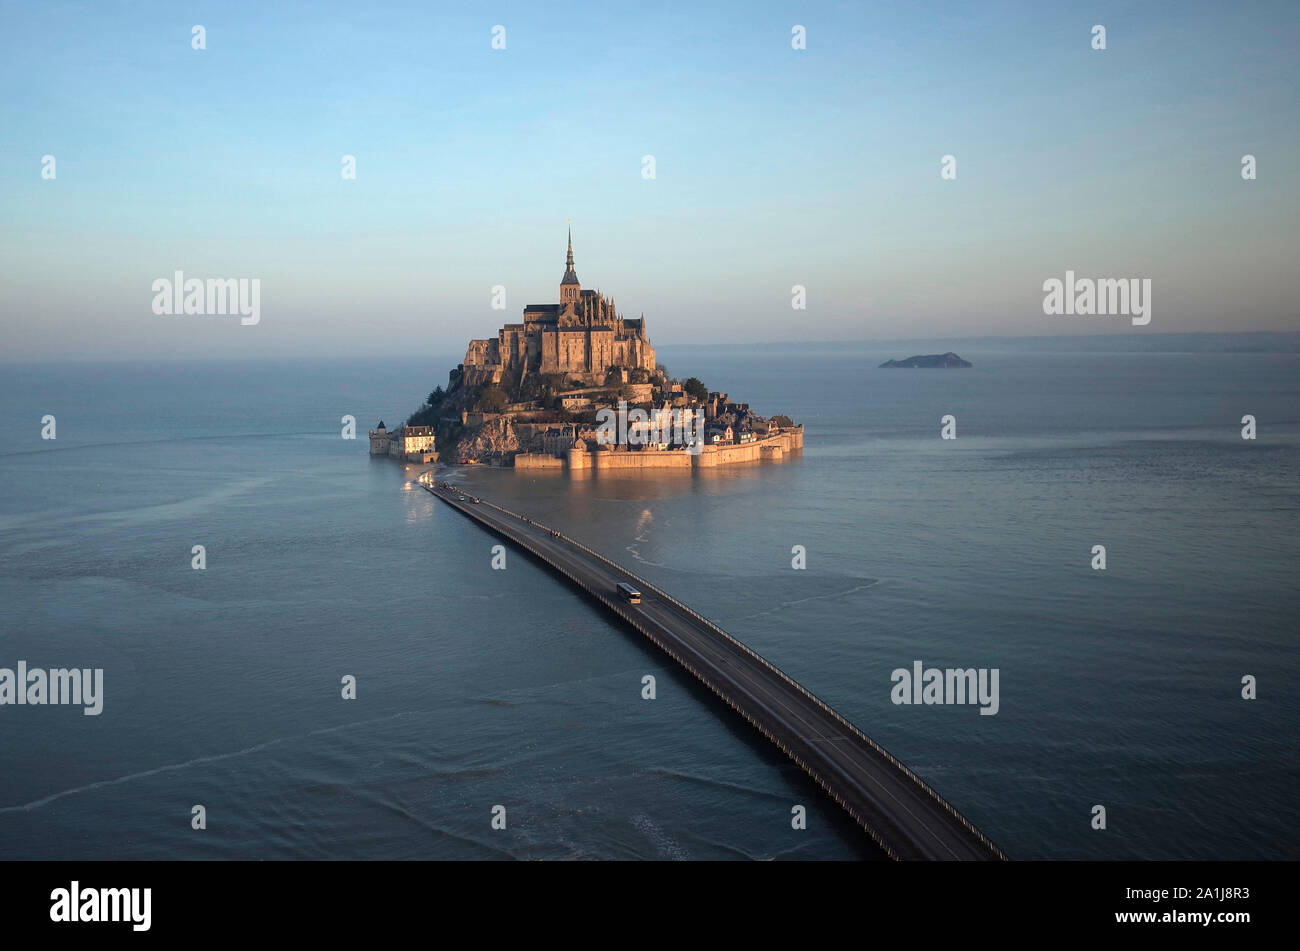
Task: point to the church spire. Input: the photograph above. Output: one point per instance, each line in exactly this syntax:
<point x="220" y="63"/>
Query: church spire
<point x="570" y="289"/>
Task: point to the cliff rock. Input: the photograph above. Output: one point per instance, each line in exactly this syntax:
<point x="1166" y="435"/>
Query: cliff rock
<point x="493" y="442"/>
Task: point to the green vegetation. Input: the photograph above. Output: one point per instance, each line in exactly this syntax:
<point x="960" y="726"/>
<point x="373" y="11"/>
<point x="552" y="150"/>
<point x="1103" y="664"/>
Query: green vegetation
<point x="695" y="389"/>
<point x="427" y="415"/>
<point x="424" y="416"/>
<point x="543" y="388"/>
<point x="491" y="399"/>
<point x="448" y="435"/>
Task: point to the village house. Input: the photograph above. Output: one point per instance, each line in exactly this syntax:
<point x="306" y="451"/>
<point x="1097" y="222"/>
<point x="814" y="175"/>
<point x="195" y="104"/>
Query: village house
<point x="558" y="439"/>
<point x="716" y="435"/>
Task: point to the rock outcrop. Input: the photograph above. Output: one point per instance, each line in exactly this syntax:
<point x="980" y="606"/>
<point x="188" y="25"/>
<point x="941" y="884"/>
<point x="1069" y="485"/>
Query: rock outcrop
<point x="494" y="442"/>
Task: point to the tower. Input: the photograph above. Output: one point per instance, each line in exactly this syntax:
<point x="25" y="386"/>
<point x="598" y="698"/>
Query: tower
<point x="570" y="289"/>
<point x="379" y="440"/>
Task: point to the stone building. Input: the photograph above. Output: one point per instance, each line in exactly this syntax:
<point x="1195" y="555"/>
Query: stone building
<point x="379" y="440"/>
<point x="417" y="439"/>
<point x="410" y="443"/>
<point x="580" y="337"/>
<point x="558" y="439"/>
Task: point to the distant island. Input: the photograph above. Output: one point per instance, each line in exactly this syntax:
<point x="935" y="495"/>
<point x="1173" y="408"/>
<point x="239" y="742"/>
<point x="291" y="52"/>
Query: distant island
<point x="576" y="386"/>
<point x="940" y="361"/>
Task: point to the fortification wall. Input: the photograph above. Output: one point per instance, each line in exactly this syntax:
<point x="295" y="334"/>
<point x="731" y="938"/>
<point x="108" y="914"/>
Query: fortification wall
<point x="538" y="460"/>
<point x="606" y="460"/>
<point x="728" y="455"/>
<point x="773" y="448"/>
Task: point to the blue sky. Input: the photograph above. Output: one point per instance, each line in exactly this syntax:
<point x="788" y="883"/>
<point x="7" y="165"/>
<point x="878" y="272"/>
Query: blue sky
<point x="774" y="167"/>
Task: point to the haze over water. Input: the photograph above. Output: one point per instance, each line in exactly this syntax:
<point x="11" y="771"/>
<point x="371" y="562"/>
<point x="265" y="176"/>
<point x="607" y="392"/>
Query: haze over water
<point x="480" y="687"/>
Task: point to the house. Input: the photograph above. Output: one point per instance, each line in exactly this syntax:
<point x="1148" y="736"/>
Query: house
<point x="412" y="444"/>
<point x="558" y="439"/>
<point x="718" y="435"/>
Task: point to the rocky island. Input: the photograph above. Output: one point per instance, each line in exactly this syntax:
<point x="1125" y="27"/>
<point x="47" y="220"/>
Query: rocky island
<point x="941" y="361"/>
<point x="575" y="385"/>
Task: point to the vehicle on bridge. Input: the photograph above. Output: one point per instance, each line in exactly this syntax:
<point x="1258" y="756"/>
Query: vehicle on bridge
<point x="628" y="593"/>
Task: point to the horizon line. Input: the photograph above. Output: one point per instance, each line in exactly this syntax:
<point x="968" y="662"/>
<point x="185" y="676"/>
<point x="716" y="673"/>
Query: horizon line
<point x="750" y="345"/>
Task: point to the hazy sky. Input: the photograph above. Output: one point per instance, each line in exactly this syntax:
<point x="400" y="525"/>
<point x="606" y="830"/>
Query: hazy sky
<point x="774" y="167"/>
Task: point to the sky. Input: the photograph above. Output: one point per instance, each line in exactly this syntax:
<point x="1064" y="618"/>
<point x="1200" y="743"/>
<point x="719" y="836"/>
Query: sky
<point x="773" y="167"/>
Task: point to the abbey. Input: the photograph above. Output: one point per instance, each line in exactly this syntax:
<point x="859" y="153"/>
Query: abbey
<point x="581" y="337"/>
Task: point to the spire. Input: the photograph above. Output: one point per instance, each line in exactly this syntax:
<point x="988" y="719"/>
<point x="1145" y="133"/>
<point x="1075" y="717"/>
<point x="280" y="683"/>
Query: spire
<point x="570" y="276"/>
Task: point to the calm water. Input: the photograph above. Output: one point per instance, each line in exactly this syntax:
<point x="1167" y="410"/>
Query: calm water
<point x="480" y="687"/>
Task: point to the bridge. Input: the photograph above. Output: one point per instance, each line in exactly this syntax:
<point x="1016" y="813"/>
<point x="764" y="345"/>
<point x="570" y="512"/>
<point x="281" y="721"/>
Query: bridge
<point x="903" y="816"/>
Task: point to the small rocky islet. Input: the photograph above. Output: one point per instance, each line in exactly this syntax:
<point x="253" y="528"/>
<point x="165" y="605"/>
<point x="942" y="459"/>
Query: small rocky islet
<point x="931" y="361"/>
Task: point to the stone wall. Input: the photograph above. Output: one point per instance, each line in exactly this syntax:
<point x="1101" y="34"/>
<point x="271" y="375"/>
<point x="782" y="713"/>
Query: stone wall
<point x="771" y="449"/>
<point x="608" y="459"/>
<point x="538" y="460"/>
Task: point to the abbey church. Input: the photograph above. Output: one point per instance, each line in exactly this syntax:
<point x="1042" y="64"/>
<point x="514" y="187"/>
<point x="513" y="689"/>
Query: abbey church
<point x="581" y="337"/>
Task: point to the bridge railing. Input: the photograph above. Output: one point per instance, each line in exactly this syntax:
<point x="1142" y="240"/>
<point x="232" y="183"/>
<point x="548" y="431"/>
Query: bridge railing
<point x="701" y="619"/>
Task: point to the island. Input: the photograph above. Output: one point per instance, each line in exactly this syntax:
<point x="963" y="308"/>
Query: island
<point x="942" y="361"/>
<point x="575" y="385"/>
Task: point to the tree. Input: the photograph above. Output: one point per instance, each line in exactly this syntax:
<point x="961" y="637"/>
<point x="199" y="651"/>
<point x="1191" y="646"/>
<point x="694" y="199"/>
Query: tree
<point x="613" y="376"/>
<point x="695" y="389"/>
<point x="491" y="399"/>
<point x="639" y="375"/>
<point x="424" y="416"/>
